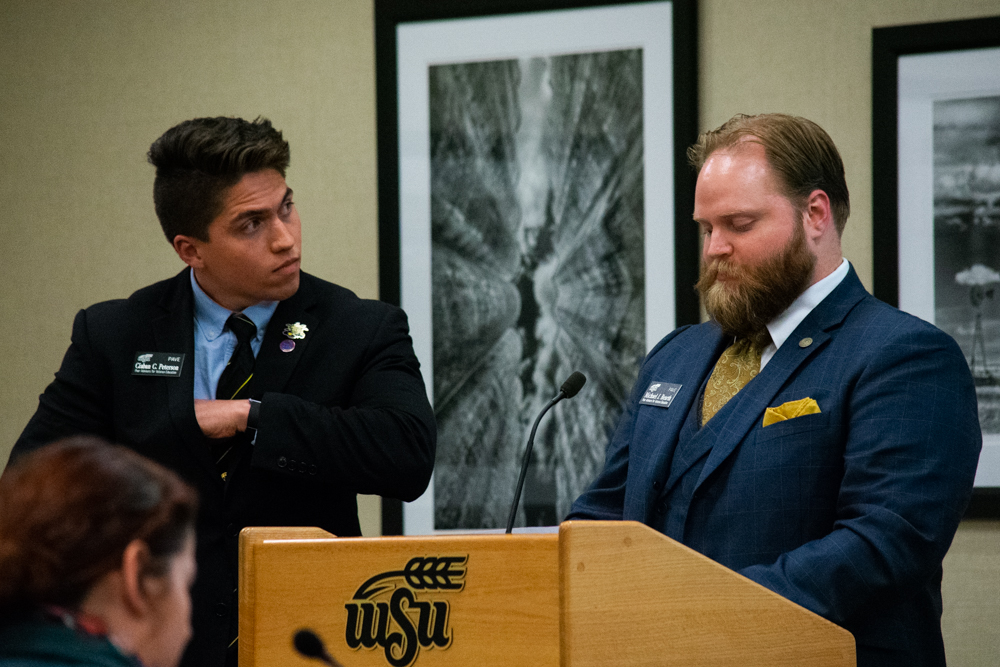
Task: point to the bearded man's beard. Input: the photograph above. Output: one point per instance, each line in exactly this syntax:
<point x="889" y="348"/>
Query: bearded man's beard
<point x="752" y="296"/>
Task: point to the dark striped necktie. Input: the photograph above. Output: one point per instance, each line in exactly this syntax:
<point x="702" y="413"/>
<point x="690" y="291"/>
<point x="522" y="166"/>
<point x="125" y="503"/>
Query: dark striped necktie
<point x="233" y="381"/>
<point x="239" y="370"/>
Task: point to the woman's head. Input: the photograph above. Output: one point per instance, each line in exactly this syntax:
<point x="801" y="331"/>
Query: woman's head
<point x="83" y="520"/>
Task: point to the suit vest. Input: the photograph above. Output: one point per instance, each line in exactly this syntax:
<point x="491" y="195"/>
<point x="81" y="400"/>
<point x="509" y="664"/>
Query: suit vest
<point x="683" y="470"/>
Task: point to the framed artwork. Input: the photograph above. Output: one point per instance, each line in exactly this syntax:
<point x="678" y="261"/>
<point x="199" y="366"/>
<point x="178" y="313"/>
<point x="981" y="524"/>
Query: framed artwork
<point x="936" y="160"/>
<point x="531" y="159"/>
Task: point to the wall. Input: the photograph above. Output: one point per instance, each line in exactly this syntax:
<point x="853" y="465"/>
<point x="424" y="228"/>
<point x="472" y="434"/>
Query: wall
<point x="86" y="86"/>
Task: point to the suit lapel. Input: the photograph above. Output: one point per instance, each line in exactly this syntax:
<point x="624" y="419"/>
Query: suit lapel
<point x="173" y="331"/>
<point x="745" y="411"/>
<point x="274" y="366"/>
<point x="691" y="369"/>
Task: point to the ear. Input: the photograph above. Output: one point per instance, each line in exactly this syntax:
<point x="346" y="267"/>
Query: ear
<point x="188" y="249"/>
<point x="135" y="561"/>
<point x="818" y="216"/>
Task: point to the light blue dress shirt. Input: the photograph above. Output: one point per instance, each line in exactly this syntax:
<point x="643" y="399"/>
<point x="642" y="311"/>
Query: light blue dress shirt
<point x="213" y="343"/>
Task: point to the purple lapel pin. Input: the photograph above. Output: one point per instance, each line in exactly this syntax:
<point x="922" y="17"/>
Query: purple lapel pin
<point x="287" y="345"/>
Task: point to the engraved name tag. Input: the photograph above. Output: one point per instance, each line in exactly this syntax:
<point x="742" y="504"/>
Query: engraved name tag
<point x="161" y="364"/>
<point x="660" y="394"/>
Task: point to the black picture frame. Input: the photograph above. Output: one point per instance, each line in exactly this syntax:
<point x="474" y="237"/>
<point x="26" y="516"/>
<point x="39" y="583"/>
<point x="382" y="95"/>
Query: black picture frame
<point x="889" y="44"/>
<point x="390" y="14"/>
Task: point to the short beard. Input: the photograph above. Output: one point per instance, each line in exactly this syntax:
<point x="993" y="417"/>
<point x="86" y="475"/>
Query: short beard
<point x="755" y="295"/>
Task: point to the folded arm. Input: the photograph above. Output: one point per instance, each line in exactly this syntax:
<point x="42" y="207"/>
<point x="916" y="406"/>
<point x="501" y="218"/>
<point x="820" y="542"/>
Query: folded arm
<point x="381" y="442"/>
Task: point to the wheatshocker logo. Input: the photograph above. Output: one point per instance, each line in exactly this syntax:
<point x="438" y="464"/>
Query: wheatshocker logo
<point x="387" y="612"/>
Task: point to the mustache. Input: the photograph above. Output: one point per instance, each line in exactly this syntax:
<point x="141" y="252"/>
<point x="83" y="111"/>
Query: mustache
<point x="709" y="275"/>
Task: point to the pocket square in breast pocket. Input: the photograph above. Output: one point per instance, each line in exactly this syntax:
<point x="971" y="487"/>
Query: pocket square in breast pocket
<point x="791" y="410"/>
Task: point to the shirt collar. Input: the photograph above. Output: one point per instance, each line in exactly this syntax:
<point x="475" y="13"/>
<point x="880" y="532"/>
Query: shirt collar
<point x="211" y="317"/>
<point x="783" y="325"/>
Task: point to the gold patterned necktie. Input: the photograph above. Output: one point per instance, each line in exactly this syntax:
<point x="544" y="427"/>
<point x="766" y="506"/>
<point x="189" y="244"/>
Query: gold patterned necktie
<point x="739" y="363"/>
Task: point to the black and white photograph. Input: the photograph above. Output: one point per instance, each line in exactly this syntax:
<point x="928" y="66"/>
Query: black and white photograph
<point x="537" y="269"/>
<point x="936" y="199"/>
<point x="529" y="184"/>
<point x="967" y="240"/>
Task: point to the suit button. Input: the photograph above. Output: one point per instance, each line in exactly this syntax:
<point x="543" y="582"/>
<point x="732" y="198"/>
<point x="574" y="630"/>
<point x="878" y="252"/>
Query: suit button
<point x="656" y="486"/>
<point x="313" y="470"/>
<point x="282" y="462"/>
<point x="232" y="530"/>
<point x="303" y="467"/>
<point x="661" y="508"/>
<point x="292" y="463"/>
<point x="220" y="609"/>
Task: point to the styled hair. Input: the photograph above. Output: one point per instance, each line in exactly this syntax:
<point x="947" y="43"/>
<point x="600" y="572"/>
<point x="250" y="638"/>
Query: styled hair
<point x="68" y="511"/>
<point x="799" y="151"/>
<point x="198" y="160"/>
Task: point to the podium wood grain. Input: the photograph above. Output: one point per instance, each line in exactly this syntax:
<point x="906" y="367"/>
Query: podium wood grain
<point x="632" y="596"/>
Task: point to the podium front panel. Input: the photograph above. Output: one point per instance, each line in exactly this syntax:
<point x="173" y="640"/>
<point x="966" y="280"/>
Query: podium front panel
<point x="632" y="596"/>
<point x="400" y="601"/>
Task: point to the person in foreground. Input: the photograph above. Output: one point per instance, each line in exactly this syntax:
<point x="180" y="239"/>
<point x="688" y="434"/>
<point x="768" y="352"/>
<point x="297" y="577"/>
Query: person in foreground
<point x="97" y="555"/>
<point x="809" y="437"/>
<point x="277" y="395"/>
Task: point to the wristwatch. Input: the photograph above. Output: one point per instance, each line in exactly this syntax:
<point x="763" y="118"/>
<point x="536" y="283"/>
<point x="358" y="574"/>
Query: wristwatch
<point x="254" y="415"/>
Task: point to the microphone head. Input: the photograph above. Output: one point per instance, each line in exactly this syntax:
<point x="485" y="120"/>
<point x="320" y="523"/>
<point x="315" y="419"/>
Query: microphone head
<point x="309" y="644"/>
<point x="573" y="384"/>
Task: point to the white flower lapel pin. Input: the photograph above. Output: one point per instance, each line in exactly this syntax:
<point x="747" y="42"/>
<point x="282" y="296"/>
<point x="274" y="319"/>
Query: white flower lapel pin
<point x="295" y="330"/>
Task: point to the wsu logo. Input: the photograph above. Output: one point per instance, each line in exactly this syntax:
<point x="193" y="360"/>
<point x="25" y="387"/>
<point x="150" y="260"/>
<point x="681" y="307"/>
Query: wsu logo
<point x="385" y="611"/>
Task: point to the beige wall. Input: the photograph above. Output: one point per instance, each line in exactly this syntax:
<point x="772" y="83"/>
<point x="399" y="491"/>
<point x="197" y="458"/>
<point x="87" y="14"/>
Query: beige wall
<point x="86" y="86"/>
<point x="971" y="590"/>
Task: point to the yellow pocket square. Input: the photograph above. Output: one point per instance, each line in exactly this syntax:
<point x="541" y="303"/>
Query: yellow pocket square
<point x="791" y="410"/>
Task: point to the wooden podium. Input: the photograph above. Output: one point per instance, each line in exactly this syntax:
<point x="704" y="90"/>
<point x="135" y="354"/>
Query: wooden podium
<point x="598" y="593"/>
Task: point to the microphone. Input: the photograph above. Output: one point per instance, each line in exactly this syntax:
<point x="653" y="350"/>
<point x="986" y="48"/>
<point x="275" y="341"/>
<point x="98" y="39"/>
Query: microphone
<point x="570" y="388"/>
<point x="310" y="645"/>
<point x="573" y="384"/>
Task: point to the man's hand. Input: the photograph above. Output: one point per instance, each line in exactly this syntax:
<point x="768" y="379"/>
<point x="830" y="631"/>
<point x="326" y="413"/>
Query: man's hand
<point x="221" y="419"/>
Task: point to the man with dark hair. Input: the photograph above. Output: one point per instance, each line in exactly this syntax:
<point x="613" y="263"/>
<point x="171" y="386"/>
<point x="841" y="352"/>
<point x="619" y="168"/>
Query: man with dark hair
<point x="810" y="437"/>
<point x="278" y="395"/>
<point x="197" y="160"/>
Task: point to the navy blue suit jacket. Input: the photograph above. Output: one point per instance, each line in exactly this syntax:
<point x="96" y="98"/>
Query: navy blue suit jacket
<point x="848" y="512"/>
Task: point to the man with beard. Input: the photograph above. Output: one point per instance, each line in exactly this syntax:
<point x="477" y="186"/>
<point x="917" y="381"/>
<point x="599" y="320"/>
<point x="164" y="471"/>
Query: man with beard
<point x="810" y="437"/>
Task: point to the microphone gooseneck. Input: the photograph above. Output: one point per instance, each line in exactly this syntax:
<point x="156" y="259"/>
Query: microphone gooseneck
<point x="569" y="389"/>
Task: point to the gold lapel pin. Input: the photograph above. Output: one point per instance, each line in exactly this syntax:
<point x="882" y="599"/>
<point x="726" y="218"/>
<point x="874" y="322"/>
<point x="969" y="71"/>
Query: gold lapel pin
<point x="805" y="342"/>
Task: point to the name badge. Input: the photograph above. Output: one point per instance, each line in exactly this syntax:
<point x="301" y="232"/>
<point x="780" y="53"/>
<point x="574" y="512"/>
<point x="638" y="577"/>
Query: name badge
<point x="160" y="364"/>
<point x="660" y="394"/>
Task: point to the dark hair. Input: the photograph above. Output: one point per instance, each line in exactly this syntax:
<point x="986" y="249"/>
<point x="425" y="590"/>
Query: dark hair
<point x="198" y="160"/>
<point x="801" y="153"/>
<point x="69" y="509"/>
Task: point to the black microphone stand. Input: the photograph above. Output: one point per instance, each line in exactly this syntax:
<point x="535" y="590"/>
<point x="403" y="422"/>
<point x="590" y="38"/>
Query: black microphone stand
<point x="569" y="388"/>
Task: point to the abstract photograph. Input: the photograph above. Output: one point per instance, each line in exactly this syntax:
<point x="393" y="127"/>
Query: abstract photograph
<point x="537" y="271"/>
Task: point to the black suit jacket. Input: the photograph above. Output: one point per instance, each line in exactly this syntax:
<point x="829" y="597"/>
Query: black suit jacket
<point x="345" y="412"/>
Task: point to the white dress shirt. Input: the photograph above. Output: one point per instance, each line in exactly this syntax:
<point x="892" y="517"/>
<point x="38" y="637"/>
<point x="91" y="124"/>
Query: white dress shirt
<point x="783" y="325"/>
